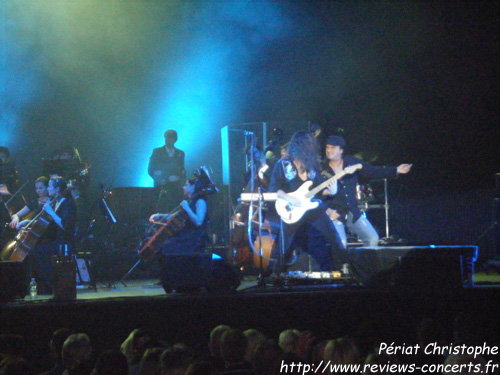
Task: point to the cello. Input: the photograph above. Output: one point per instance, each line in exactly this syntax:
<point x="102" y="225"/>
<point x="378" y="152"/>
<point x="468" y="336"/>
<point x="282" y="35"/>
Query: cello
<point x="28" y="237"/>
<point x="15" y="203"/>
<point x="244" y="251"/>
<point x="170" y="225"/>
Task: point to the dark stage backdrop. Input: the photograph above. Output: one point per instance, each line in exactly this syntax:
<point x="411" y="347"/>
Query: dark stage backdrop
<point x="413" y="82"/>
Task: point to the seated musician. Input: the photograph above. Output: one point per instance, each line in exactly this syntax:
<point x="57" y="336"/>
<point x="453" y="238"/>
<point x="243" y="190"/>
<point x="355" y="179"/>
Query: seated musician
<point x="314" y="227"/>
<point x="41" y="185"/>
<point x="192" y="219"/>
<point x="57" y="237"/>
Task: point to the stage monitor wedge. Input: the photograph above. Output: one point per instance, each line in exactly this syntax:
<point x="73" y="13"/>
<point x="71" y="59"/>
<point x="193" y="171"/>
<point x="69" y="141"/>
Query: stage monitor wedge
<point x="414" y="267"/>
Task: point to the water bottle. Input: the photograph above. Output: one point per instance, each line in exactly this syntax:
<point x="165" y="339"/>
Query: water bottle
<point x="345" y="269"/>
<point x="33" y="289"/>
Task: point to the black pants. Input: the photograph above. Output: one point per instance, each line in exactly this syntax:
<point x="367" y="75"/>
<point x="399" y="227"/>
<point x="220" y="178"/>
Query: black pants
<point x="315" y="234"/>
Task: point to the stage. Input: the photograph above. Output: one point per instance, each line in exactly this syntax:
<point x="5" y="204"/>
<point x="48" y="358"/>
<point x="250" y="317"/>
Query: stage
<point x="388" y="308"/>
<point x="137" y="289"/>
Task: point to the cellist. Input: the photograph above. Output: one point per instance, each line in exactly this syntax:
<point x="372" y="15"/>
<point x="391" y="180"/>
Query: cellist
<point x="59" y="235"/>
<point x="41" y="185"/>
<point x="193" y="237"/>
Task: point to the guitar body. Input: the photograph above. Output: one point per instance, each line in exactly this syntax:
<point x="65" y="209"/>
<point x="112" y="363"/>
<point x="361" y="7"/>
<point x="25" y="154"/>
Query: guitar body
<point x="289" y="213"/>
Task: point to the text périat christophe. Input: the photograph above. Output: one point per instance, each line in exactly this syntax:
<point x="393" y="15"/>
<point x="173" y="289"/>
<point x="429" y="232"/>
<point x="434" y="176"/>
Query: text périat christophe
<point x="436" y="349"/>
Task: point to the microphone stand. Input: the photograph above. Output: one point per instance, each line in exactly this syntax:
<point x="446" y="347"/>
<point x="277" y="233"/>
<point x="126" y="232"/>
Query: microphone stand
<point x="261" y="281"/>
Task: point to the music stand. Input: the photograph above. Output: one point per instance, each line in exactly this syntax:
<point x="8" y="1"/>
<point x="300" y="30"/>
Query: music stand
<point x="111" y="221"/>
<point x="79" y="251"/>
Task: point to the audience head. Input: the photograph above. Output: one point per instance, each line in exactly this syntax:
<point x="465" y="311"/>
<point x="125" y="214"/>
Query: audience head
<point x="150" y="361"/>
<point x="342" y="351"/>
<point x="214" y="343"/>
<point x="136" y="344"/>
<point x="254" y="337"/>
<point x="175" y="359"/>
<point x="266" y="358"/>
<point x="56" y="343"/>
<point x="233" y="346"/>
<point x="76" y="347"/>
<point x="288" y="340"/>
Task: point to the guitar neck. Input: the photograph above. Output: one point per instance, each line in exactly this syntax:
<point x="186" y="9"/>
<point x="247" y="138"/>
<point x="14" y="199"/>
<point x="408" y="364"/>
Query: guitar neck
<point x="324" y="184"/>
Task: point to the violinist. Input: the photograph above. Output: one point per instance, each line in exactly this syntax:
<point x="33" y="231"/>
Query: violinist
<point x="41" y="185"/>
<point x="59" y="235"/>
<point x="193" y="237"/>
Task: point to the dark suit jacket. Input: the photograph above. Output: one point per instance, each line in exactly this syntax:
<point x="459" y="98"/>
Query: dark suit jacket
<point x="166" y="165"/>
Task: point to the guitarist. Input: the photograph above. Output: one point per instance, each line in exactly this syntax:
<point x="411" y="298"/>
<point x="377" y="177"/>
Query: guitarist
<point x="314" y="232"/>
<point x="343" y="208"/>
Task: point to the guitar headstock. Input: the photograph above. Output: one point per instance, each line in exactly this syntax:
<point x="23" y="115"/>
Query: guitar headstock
<point x="353" y="168"/>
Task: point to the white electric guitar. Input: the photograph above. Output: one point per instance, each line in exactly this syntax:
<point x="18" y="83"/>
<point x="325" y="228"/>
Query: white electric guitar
<point x="291" y="213"/>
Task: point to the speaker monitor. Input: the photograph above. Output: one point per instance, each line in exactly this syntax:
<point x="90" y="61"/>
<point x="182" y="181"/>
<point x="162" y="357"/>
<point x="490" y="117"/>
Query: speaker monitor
<point x="417" y="267"/>
<point x="193" y="271"/>
<point x="64" y="277"/>
<point x="12" y="281"/>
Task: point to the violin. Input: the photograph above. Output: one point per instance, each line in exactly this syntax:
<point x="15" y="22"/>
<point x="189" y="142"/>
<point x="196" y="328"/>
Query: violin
<point x="171" y="225"/>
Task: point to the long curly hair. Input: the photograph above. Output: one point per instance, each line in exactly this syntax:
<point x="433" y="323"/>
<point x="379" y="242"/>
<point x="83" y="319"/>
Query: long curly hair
<point x="304" y="147"/>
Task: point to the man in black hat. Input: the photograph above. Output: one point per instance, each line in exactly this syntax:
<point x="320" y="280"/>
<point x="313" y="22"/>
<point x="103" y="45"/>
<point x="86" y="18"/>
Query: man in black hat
<point x="343" y="207"/>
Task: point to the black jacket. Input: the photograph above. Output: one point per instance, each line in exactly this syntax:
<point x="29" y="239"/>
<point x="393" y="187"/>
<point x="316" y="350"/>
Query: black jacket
<point x="345" y="200"/>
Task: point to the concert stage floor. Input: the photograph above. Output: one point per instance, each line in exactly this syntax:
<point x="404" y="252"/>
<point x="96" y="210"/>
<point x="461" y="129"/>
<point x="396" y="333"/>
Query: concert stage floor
<point x="109" y="314"/>
<point x="150" y="288"/>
